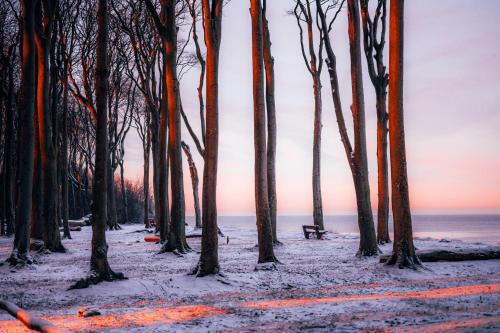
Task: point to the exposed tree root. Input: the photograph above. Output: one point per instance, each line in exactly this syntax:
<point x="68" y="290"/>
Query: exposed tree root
<point x="114" y="227"/>
<point x="404" y="259"/>
<point x="95" y="278"/>
<point x="200" y="270"/>
<point x="179" y="249"/>
<point x="277" y="243"/>
<point x="367" y="252"/>
<point x="20" y="259"/>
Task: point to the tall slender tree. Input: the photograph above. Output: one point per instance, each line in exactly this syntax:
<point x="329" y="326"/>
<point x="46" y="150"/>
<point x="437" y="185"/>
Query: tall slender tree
<point x="357" y="156"/>
<point x="167" y="29"/>
<point x="264" y="229"/>
<point x="403" y="251"/>
<point x="271" y="123"/>
<point x="44" y="23"/>
<point x="374" y="40"/>
<point x="99" y="266"/>
<point x="20" y="252"/>
<point x="314" y="66"/>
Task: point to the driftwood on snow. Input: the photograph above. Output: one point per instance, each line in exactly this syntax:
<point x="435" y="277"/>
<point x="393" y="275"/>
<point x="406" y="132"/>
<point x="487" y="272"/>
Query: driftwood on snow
<point x="28" y="320"/>
<point x="455" y="255"/>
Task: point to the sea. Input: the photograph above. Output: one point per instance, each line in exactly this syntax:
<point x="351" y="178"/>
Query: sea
<point x="474" y="228"/>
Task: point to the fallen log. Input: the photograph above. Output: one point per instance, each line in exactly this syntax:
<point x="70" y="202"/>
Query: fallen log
<point x="77" y="223"/>
<point x="454" y="255"/>
<point x="28" y="320"/>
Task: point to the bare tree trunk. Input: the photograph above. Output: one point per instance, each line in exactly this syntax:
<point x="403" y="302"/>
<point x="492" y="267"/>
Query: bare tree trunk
<point x="368" y="240"/>
<point x="43" y="32"/>
<point x="194" y="181"/>
<point x="316" y="174"/>
<point x="64" y="155"/>
<point x="314" y="65"/>
<point x="145" y="181"/>
<point x="99" y="266"/>
<point x="212" y="22"/>
<point x="37" y="219"/>
<point x="111" y="207"/>
<point x="264" y="230"/>
<point x="375" y="41"/>
<point x="383" y="172"/>
<point x="9" y="152"/>
<point x="163" y="204"/>
<point x="20" y="252"/>
<point x="403" y="251"/>
<point x="124" y="192"/>
<point x="271" y="123"/>
<point x="155" y="144"/>
<point x="177" y="234"/>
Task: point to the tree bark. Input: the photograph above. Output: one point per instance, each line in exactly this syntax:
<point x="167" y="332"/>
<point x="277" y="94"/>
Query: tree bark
<point x="177" y="235"/>
<point x="8" y="153"/>
<point x="20" y="252"/>
<point x="124" y="192"/>
<point x="194" y="181"/>
<point x="37" y="219"/>
<point x="212" y="21"/>
<point x="99" y="266"/>
<point x="111" y="207"/>
<point x="264" y="230"/>
<point x="163" y="208"/>
<point x="145" y="181"/>
<point x="43" y="33"/>
<point x="271" y="123"/>
<point x="403" y="251"/>
<point x="377" y="72"/>
<point x="64" y="153"/>
<point x="368" y="240"/>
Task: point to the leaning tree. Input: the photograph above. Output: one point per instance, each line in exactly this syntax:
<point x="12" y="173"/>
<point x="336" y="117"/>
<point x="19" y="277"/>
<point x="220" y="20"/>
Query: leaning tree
<point x="357" y="155"/>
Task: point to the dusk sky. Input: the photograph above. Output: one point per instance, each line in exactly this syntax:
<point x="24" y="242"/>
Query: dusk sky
<point x="452" y="116"/>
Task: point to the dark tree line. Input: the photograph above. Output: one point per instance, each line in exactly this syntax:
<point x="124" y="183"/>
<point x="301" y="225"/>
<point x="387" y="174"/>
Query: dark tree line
<point x="74" y="81"/>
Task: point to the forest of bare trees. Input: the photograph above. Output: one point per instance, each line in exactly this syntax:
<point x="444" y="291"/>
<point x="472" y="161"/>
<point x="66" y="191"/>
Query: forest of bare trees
<point x="76" y="77"/>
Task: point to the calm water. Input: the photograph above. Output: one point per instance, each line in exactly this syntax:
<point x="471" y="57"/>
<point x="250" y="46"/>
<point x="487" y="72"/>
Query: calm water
<point x="471" y="228"/>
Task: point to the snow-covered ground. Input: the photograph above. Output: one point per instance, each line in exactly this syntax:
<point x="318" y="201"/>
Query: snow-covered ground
<point x="319" y="286"/>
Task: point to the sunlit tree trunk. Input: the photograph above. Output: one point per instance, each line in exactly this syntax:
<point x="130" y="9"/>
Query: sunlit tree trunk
<point x="212" y="21"/>
<point x="163" y="208"/>
<point x="403" y="251"/>
<point x="176" y="238"/>
<point x="43" y="34"/>
<point x="20" y="252"/>
<point x="271" y="123"/>
<point x="264" y="229"/>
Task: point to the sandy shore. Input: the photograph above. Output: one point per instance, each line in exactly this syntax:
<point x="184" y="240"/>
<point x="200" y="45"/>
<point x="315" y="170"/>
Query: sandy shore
<point x="319" y="286"/>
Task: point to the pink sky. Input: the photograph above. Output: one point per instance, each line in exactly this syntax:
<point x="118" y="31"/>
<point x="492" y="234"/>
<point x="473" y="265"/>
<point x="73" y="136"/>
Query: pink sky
<point x="452" y="118"/>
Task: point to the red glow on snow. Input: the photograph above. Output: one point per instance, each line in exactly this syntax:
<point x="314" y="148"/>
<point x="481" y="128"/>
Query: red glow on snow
<point x="424" y="294"/>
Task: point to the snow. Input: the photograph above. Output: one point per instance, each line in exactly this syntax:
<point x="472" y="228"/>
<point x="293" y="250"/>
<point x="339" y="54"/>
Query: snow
<point x="319" y="285"/>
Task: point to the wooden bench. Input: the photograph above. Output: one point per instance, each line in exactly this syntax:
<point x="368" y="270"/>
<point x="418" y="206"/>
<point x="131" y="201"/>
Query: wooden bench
<point x="311" y="229"/>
